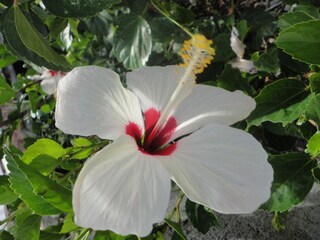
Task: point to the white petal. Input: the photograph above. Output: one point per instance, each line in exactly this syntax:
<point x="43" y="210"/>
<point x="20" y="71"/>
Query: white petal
<point x="91" y="100"/>
<point x="49" y="85"/>
<point x="236" y="44"/>
<point x="154" y="85"/>
<point x="211" y="104"/>
<point x="223" y="168"/>
<point x="243" y="65"/>
<point x="121" y="189"/>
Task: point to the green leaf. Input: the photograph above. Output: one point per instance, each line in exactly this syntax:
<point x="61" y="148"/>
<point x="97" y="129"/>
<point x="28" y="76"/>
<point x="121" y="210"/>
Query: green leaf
<point x="231" y="79"/>
<point x="221" y="44"/>
<point x="56" y="194"/>
<point x="268" y="62"/>
<point x="40" y="194"/>
<point x="5" y="57"/>
<point x="274" y="100"/>
<point x="302" y="41"/>
<point x="7" y="196"/>
<point x="50" y="236"/>
<point x="316" y="173"/>
<point x="307" y="9"/>
<point x="132" y="41"/>
<point x="313" y="110"/>
<point x="177" y="228"/>
<point x="33" y="40"/>
<point x="6" y="92"/>
<point x="289" y="19"/>
<point x="77" y="8"/>
<point x="201" y="217"/>
<point x="313" y="146"/>
<point x="45" y="164"/>
<point x="162" y="29"/>
<point x="314" y="79"/>
<point x="292" y="181"/>
<point x="68" y="224"/>
<point x="14" y="44"/>
<point x="81" y="148"/>
<point x="43" y="146"/>
<point x="4" y="235"/>
<point x="29" y="229"/>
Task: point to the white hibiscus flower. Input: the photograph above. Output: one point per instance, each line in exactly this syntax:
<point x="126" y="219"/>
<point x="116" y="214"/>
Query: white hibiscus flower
<point x="164" y="126"/>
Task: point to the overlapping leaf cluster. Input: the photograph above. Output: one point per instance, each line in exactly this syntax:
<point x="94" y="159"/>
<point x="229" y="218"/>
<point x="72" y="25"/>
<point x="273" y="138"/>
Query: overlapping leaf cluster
<point x="282" y="40"/>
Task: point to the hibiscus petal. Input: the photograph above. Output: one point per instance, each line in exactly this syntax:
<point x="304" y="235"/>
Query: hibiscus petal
<point x="121" y="189"/>
<point x="223" y="168"/>
<point x="154" y="86"/>
<point x="49" y="85"/>
<point x="208" y="104"/>
<point x="91" y="100"/>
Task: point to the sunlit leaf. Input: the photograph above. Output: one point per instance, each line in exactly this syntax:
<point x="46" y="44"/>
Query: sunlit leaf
<point x="32" y="39"/>
<point x="132" y="42"/>
<point x="313" y="146"/>
<point x="41" y="194"/>
<point x="43" y="146"/>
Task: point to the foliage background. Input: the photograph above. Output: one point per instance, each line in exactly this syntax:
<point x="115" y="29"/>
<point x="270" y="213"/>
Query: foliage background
<point x="282" y="38"/>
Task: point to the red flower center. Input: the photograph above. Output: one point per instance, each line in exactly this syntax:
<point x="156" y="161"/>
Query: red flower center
<point x="154" y="141"/>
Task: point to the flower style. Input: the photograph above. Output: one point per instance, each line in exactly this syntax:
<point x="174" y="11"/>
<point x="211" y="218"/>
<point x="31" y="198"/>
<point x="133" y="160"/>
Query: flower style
<point x="125" y="187"/>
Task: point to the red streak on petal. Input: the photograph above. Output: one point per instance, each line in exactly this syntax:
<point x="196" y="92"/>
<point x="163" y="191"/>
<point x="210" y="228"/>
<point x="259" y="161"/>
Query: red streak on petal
<point x="167" y="151"/>
<point x="154" y="140"/>
<point x="166" y="132"/>
<point x="151" y="117"/>
<point x="133" y="130"/>
<point x="53" y="73"/>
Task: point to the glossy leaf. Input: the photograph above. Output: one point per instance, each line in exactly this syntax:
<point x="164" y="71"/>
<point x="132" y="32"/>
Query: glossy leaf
<point x="132" y="42"/>
<point x="292" y="182"/>
<point x="33" y="40"/>
<point x="29" y="229"/>
<point x="201" y="217"/>
<point x="275" y="99"/>
<point x="6" y="92"/>
<point x="16" y="47"/>
<point x="177" y="228"/>
<point x="301" y="41"/>
<point x="313" y="146"/>
<point x="76" y="8"/>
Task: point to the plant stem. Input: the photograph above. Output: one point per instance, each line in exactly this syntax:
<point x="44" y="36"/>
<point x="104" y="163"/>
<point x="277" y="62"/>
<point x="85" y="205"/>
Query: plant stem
<point x="84" y="234"/>
<point x="171" y="19"/>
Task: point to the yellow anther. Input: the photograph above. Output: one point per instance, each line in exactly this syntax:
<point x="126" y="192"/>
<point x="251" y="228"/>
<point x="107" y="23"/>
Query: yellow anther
<point x="197" y="52"/>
